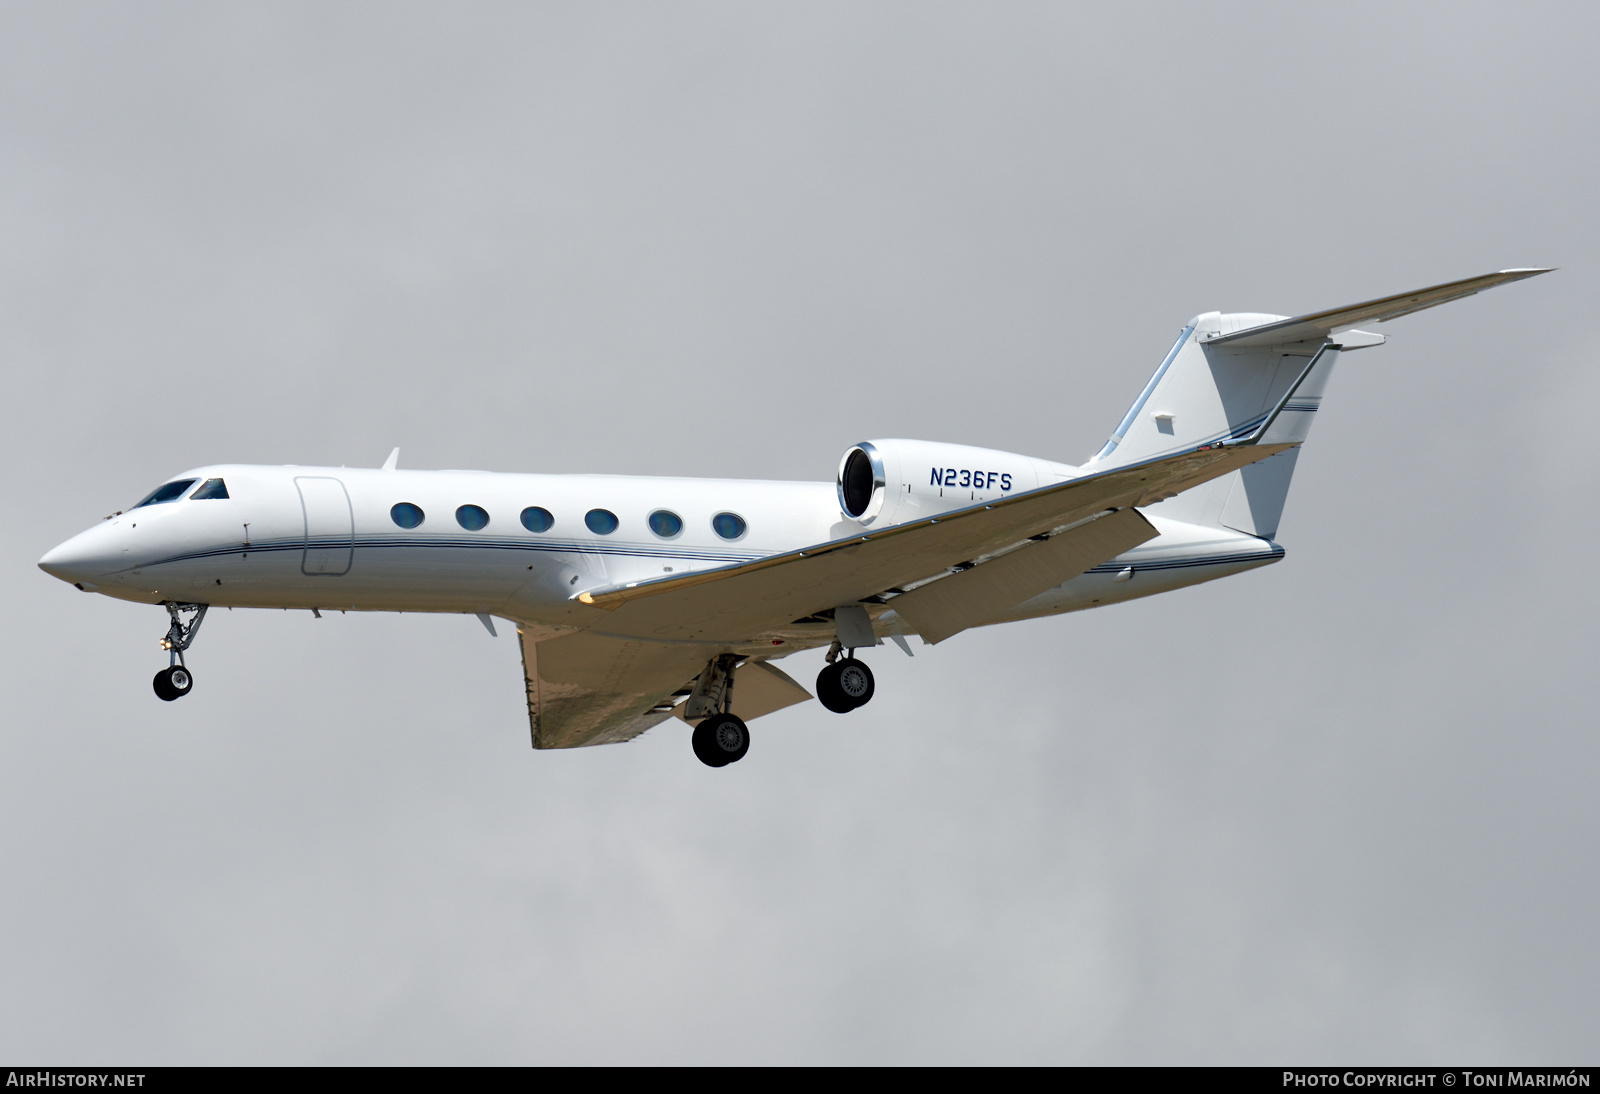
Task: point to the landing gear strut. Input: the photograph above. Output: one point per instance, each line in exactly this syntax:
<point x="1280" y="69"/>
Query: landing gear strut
<point x="844" y="685"/>
<point x="175" y="681"/>
<point x="721" y="737"/>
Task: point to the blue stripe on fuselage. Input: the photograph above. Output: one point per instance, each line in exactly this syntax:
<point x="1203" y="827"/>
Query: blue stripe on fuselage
<point x="476" y="543"/>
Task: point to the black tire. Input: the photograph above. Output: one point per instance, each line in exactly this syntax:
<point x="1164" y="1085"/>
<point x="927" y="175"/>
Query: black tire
<point x="720" y="740"/>
<point x="855" y="682"/>
<point x="829" y="693"/>
<point x="163" y="685"/>
<point x="701" y="742"/>
<point x="173" y="683"/>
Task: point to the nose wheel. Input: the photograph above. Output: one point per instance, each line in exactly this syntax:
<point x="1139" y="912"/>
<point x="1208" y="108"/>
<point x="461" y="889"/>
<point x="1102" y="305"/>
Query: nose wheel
<point x="845" y="685"/>
<point x="175" y="681"/>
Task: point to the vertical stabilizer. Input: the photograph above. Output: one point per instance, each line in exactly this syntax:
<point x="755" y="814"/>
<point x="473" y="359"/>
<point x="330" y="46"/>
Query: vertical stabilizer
<point x="1204" y="393"/>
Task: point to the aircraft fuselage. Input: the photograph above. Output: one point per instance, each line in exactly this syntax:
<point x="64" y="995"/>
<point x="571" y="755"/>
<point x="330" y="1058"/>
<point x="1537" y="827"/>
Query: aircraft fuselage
<point x="329" y="538"/>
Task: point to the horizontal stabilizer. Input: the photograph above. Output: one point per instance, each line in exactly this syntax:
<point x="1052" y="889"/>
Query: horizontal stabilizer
<point x="1321" y="325"/>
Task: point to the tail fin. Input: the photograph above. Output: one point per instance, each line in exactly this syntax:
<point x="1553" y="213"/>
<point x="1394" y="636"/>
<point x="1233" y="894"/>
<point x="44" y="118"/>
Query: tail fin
<point x="1246" y="377"/>
<point x="1203" y="394"/>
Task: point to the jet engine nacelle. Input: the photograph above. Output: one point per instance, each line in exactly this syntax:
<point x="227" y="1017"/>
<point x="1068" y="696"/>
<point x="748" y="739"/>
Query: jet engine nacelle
<point x="890" y="481"/>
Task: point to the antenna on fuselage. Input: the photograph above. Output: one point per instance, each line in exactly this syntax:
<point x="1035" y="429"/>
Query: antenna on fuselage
<point x="394" y="458"/>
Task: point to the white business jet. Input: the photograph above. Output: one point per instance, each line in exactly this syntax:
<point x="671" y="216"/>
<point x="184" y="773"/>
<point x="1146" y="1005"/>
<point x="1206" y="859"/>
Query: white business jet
<point x="640" y="599"/>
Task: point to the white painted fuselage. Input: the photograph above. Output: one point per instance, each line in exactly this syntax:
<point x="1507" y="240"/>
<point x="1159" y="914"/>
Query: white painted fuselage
<point x="327" y="538"/>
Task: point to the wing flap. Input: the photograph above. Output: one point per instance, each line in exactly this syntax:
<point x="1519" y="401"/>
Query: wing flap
<point x="943" y="608"/>
<point x="1320" y="325"/>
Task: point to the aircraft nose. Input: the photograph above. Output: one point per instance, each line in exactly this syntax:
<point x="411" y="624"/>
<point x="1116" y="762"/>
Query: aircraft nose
<point x="63" y="561"/>
<point x="78" y="560"/>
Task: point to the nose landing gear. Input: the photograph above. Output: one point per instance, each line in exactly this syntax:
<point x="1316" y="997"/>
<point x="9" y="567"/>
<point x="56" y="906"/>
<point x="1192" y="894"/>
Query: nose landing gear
<point x="844" y="685"/>
<point x="175" y="681"/>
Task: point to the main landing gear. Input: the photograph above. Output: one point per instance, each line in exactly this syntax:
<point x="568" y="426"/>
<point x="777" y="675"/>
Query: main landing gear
<point x="843" y="685"/>
<point x="720" y="740"/>
<point x="175" y="681"/>
<point x="721" y="737"/>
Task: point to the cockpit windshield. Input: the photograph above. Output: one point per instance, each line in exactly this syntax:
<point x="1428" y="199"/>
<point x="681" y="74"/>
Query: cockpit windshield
<point x="214" y="488"/>
<point x="167" y="492"/>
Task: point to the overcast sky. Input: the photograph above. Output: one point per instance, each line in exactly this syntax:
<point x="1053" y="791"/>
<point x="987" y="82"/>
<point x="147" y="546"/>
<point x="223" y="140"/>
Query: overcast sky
<point x="1341" y="809"/>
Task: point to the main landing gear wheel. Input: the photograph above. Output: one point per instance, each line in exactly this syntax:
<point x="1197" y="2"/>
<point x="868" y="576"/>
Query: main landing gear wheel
<point x="720" y="740"/>
<point x="173" y="683"/>
<point x="845" y="685"/>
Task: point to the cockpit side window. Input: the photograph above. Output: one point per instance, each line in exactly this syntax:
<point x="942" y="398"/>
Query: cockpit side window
<point x="168" y="492"/>
<point x="214" y="488"/>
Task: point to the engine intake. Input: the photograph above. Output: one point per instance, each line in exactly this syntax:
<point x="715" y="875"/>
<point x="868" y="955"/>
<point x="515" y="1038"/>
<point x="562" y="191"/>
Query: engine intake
<point x="888" y="481"/>
<point x="861" y="482"/>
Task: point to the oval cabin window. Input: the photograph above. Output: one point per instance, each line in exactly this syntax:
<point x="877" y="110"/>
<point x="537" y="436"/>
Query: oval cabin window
<point x="665" y="523"/>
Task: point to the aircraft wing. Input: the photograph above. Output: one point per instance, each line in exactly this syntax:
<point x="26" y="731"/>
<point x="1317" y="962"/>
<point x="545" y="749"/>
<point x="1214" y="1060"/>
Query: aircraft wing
<point x="735" y="604"/>
<point x="1319" y="325"/>
<point x="595" y="689"/>
<point x="626" y="670"/>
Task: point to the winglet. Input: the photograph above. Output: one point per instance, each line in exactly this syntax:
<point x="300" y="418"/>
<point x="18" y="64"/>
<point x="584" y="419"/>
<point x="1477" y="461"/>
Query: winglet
<point x="394" y="458"/>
